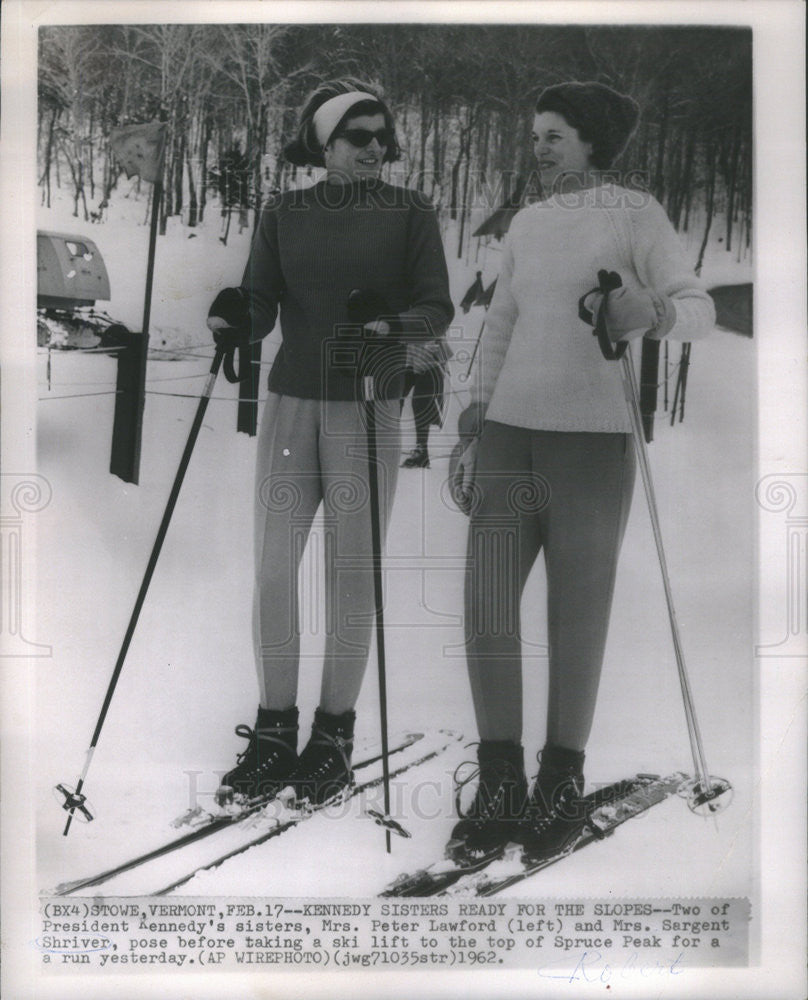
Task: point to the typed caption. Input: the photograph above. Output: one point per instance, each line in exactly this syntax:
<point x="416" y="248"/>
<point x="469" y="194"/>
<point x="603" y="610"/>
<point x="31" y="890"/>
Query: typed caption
<point x="578" y="940"/>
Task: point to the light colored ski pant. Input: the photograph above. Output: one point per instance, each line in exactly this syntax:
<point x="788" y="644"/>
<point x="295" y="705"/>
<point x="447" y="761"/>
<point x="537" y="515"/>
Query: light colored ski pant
<point x="568" y="494"/>
<point x="313" y="452"/>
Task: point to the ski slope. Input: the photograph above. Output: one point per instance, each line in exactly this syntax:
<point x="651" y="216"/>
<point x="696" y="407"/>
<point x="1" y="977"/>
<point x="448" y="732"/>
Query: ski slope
<point x="188" y="678"/>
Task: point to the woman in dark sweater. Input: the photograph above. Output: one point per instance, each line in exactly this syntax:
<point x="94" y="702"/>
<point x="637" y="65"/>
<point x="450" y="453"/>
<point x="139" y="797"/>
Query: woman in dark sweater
<point x="313" y="248"/>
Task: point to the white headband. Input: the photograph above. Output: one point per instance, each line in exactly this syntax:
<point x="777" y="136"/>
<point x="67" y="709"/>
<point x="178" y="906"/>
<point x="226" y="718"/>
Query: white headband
<point x="327" y="116"/>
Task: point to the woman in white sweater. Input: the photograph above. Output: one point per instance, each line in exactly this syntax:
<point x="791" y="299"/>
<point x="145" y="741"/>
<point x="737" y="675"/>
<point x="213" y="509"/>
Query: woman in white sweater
<point x="549" y="448"/>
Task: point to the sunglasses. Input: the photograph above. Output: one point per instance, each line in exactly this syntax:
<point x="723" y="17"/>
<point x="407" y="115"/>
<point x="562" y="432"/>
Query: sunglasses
<point x="361" y="137"/>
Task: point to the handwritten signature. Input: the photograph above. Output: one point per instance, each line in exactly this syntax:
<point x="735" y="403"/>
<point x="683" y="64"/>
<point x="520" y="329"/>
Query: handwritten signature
<point x="592" y="967"/>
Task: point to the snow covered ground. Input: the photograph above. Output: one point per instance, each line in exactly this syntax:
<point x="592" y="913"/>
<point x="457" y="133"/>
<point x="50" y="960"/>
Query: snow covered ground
<point x="188" y="678"/>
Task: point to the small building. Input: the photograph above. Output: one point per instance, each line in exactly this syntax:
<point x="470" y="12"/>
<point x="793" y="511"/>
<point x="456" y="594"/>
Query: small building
<point x="70" y="271"/>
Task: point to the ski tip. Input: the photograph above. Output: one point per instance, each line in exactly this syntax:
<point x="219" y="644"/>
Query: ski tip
<point x="66" y="888"/>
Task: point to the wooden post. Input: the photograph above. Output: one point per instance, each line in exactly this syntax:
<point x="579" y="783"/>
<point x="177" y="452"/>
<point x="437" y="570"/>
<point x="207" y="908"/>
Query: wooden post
<point x="130" y="398"/>
<point x="127" y="427"/>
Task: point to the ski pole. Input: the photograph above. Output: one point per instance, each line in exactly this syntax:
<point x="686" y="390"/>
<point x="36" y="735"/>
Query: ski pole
<point x="368" y="388"/>
<point x="365" y="307"/>
<point x="485" y="300"/>
<point x="76" y="799"/>
<point x="707" y="789"/>
<point x="684" y="366"/>
<point x="464" y="376"/>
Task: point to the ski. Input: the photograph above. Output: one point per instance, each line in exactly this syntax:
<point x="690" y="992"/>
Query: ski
<point x="204" y="824"/>
<point x="238" y="834"/>
<point x="641" y="793"/>
<point x="293" y="818"/>
<point x="607" y="808"/>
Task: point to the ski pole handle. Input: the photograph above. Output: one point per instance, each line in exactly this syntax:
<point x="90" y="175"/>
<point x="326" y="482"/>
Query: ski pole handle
<point x="229" y="341"/>
<point x="608" y="281"/>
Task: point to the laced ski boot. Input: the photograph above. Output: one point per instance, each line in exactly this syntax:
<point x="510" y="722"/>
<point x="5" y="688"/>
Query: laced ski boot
<point x="556" y="813"/>
<point x="264" y="766"/>
<point x="323" y="770"/>
<point x="492" y="821"/>
<point x="418" y="458"/>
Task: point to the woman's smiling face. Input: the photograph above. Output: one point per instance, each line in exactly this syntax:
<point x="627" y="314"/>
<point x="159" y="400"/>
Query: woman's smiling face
<point x="558" y="148"/>
<point x="346" y="162"/>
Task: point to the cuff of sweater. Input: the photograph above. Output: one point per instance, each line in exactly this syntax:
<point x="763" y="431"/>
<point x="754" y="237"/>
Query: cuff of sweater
<point x="665" y="316"/>
<point x="417" y="326"/>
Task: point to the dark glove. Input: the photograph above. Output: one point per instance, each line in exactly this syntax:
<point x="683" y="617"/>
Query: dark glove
<point x="230" y="323"/>
<point x="367" y="305"/>
<point x="231" y="340"/>
<point x="380" y="355"/>
<point x="229" y="318"/>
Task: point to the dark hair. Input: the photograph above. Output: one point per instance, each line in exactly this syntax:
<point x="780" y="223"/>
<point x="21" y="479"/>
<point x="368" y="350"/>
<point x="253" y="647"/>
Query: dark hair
<point x="599" y="114"/>
<point x="305" y="150"/>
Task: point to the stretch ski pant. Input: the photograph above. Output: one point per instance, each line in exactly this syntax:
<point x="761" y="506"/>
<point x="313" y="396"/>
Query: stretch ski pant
<point x="313" y="452"/>
<point x="568" y="494"/>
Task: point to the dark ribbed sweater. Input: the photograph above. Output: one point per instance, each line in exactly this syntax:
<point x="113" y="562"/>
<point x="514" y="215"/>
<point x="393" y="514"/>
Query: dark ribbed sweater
<point x="312" y="248"/>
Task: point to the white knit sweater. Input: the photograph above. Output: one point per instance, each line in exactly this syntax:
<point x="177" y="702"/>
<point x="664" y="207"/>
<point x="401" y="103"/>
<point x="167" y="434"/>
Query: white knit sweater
<point x="539" y="364"/>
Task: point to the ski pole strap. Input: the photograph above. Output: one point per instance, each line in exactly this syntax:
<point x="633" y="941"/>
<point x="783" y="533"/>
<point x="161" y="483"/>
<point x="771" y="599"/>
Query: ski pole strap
<point x="244" y="363"/>
<point x="607" y="282"/>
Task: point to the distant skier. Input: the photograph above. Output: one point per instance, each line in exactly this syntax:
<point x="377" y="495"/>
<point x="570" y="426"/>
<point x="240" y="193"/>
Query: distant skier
<point x="425" y="378"/>
<point x="477" y="294"/>
<point x="312" y="249"/>
<point x="484" y="299"/>
<point x="473" y="293"/>
<point x="548" y="447"/>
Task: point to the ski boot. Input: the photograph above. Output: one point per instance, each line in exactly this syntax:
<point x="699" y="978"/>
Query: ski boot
<point x="323" y="770"/>
<point x="556" y="814"/>
<point x="418" y="458"/>
<point x="493" y="818"/>
<point x="264" y="766"/>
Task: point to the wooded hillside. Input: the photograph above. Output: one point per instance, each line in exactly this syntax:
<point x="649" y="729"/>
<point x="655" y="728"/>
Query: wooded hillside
<point x="462" y="96"/>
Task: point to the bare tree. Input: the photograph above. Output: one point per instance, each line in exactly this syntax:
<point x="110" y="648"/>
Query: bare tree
<point x="463" y="96"/>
